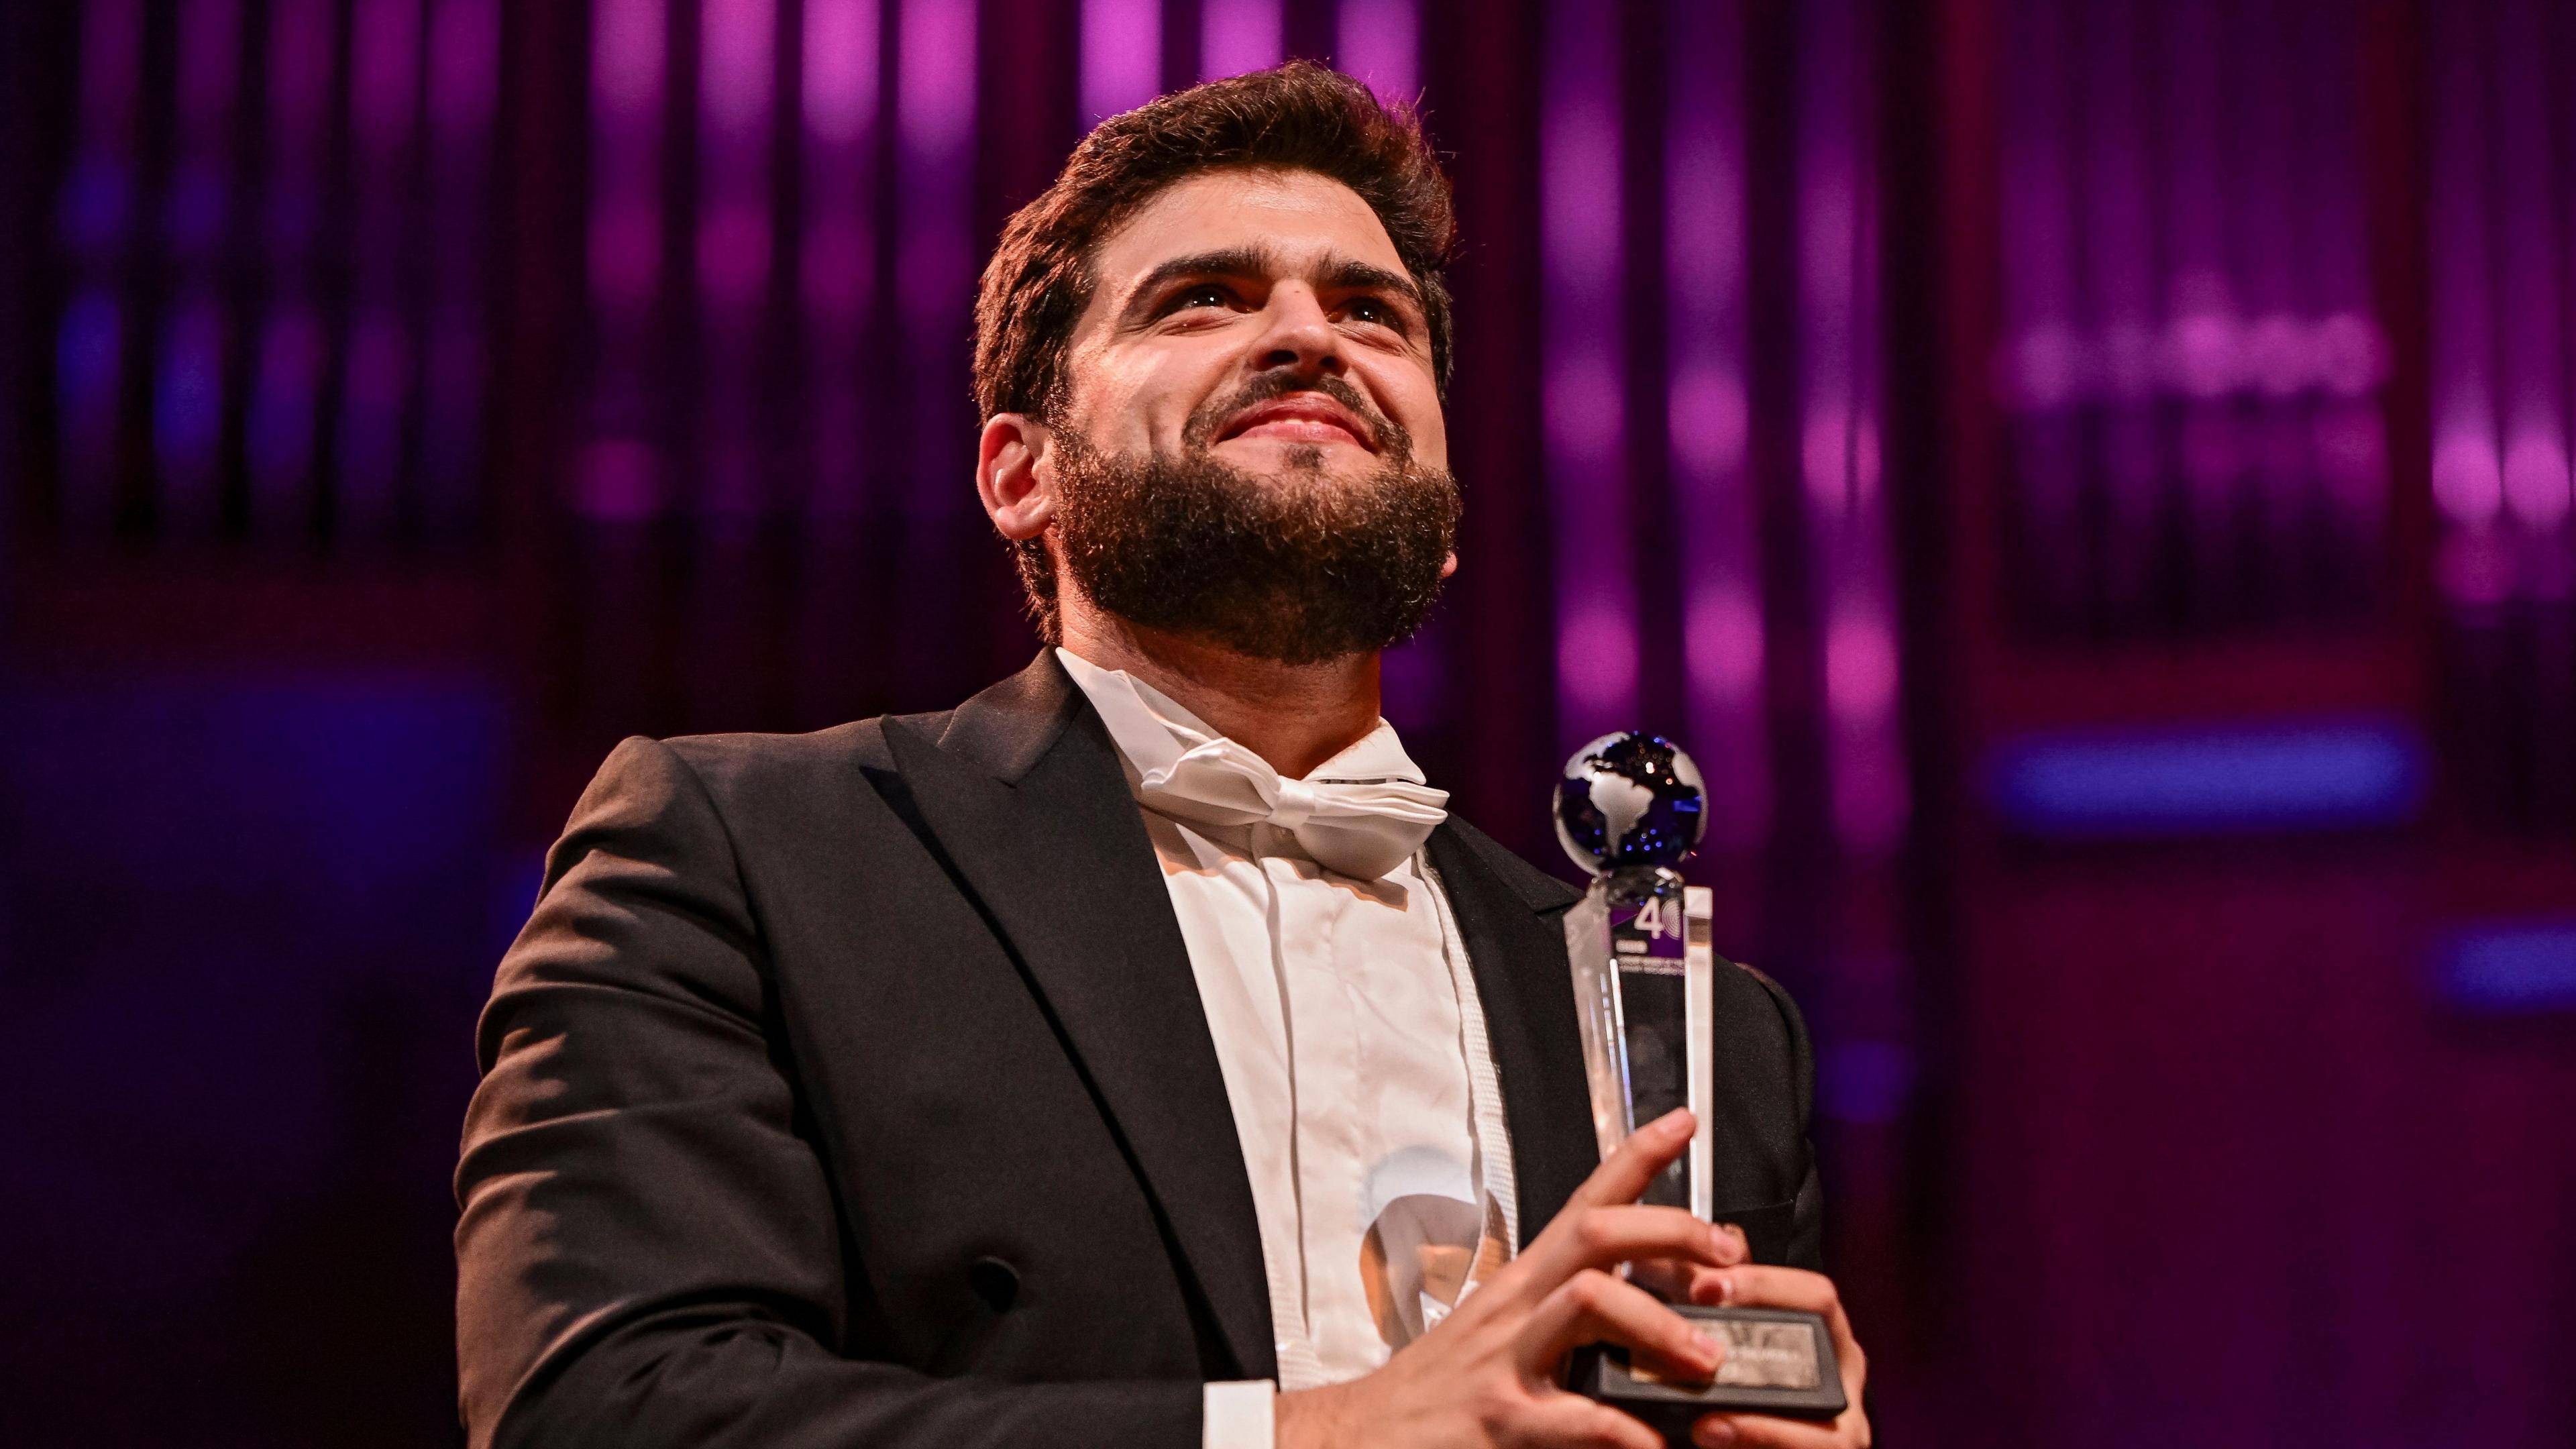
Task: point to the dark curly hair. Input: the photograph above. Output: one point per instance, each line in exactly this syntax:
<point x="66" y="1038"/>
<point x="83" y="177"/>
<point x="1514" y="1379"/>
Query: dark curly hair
<point x="1299" y="116"/>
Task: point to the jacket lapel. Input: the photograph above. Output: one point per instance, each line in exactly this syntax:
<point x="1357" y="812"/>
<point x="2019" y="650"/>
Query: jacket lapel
<point x="1026" y="796"/>
<point x="1512" y="918"/>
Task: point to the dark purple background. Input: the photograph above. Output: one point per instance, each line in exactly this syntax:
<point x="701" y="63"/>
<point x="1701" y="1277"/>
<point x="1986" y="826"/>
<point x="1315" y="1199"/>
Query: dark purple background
<point x="1978" y="429"/>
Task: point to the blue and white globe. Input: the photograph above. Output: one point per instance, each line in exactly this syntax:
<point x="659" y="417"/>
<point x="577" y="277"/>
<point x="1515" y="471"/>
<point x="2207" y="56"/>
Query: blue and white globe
<point x="1630" y="800"/>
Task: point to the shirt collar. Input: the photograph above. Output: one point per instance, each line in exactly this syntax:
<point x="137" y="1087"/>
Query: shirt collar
<point x="1152" y="730"/>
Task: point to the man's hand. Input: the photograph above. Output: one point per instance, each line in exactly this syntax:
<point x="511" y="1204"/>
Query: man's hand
<point x="1754" y="1285"/>
<point x="1487" y="1375"/>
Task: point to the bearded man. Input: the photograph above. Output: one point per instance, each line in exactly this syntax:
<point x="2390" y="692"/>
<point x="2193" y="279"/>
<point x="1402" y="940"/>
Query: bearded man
<point x="1138" y="1054"/>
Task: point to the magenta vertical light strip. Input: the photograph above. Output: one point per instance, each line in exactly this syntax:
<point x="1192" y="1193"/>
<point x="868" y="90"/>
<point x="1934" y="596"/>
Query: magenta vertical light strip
<point x="2202" y="299"/>
<point x="98" y="196"/>
<point x="2346" y="347"/>
<point x="2474" y="569"/>
<point x="618" y="475"/>
<point x="188" y="403"/>
<point x="376" y="382"/>
<point x="1847" y="518"/>
<point x="97" y="217"/>
<point x="2199" y="303"/>
<point x="1236" y="36"/>
<point x="1122" y="55"/>
<point x="286" y="380"/>
<point x="1705" y="415"/>
<point x="1380" y="41"/>
<point x="2534" y="472"/>
<point x="2317" y="361"/>
<point x="188" y="413"/>
<point x="737" y="53"/>
<point x="384" y="88"/>
<point x="935" y="258"/>
<point x="2271" y="277"/>
<point x="464" y="62"/>
<point x="209" y="59"/>
<point x="2120" y="279"/>
<point x="2047" y="367"/>
<point x="1585" y="427"/>
<point x="626" y="102"/>
<point x="737" y="61"/>
<point x="838" y="251"/>
<point x="89" y="370"/>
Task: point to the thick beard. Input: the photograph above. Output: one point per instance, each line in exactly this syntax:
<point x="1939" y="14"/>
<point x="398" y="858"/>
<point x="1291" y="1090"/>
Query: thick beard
<point x="1298" y="568"/>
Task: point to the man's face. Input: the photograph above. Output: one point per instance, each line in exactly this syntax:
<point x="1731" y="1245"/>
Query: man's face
<point x="1265" y="316"/>
<point x="1251" y="451"/>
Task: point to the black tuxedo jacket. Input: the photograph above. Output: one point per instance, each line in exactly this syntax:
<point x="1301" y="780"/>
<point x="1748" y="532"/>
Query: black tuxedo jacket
<point x="852" y="1089"/>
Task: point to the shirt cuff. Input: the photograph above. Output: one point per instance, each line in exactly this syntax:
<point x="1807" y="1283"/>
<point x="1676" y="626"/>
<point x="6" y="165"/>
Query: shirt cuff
<point x="1238" y="1416"/>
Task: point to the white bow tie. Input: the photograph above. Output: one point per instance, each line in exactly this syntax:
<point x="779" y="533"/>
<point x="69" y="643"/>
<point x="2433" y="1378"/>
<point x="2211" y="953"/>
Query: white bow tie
<point x="1359" y="828"/>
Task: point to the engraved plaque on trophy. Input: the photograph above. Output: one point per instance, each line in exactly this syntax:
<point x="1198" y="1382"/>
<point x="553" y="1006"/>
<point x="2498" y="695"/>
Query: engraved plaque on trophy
<point x="1629" y="809"/>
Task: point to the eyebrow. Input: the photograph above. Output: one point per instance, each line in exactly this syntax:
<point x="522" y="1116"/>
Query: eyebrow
<point x="1340" y="273"/>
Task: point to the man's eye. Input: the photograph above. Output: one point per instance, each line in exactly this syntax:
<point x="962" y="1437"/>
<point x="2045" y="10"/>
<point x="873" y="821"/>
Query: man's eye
<point x="1373" y="311"/>
<point x="1210" y="295"/>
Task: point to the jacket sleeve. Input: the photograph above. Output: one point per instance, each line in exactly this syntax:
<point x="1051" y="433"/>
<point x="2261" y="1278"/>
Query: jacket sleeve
<point x="648" y="1252"/>
<point x="1806" y="1247"/>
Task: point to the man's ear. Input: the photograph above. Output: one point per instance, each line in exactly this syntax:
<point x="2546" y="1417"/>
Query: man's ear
<point x="1018" y="494"/>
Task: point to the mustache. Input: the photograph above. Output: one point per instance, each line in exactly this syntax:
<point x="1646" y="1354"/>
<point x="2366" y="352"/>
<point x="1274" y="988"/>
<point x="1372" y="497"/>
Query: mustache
<point x="1385" y="434"/>
<point x="1189" y="543"/>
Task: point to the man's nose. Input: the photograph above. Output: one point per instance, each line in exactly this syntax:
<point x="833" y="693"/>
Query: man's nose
<point x="1298" y="335"/>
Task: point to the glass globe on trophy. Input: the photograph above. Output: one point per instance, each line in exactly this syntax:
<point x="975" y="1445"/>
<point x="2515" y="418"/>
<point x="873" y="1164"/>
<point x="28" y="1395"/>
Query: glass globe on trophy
<point x="1630" y="808"/>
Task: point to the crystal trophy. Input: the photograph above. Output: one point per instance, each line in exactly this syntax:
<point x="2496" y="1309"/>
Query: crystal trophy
<point x="1629" y="809"/>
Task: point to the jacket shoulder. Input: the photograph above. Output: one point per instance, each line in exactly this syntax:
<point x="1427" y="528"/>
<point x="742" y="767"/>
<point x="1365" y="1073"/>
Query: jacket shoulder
<point x="1544" y="892"/>
<point x="733" y="763"/>
<point x="1764" y="1035"/>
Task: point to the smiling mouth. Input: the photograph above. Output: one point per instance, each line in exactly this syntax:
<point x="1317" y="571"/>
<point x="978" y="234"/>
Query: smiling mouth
<point x="1302" y="419"/>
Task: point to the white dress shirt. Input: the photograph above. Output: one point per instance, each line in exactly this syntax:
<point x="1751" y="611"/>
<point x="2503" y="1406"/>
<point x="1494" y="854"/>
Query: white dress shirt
<point x="1354" y="1055"/>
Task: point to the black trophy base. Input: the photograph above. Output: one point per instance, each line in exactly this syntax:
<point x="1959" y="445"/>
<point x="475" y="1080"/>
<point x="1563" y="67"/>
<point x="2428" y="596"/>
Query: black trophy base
<point x="1777" y="1362"/>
